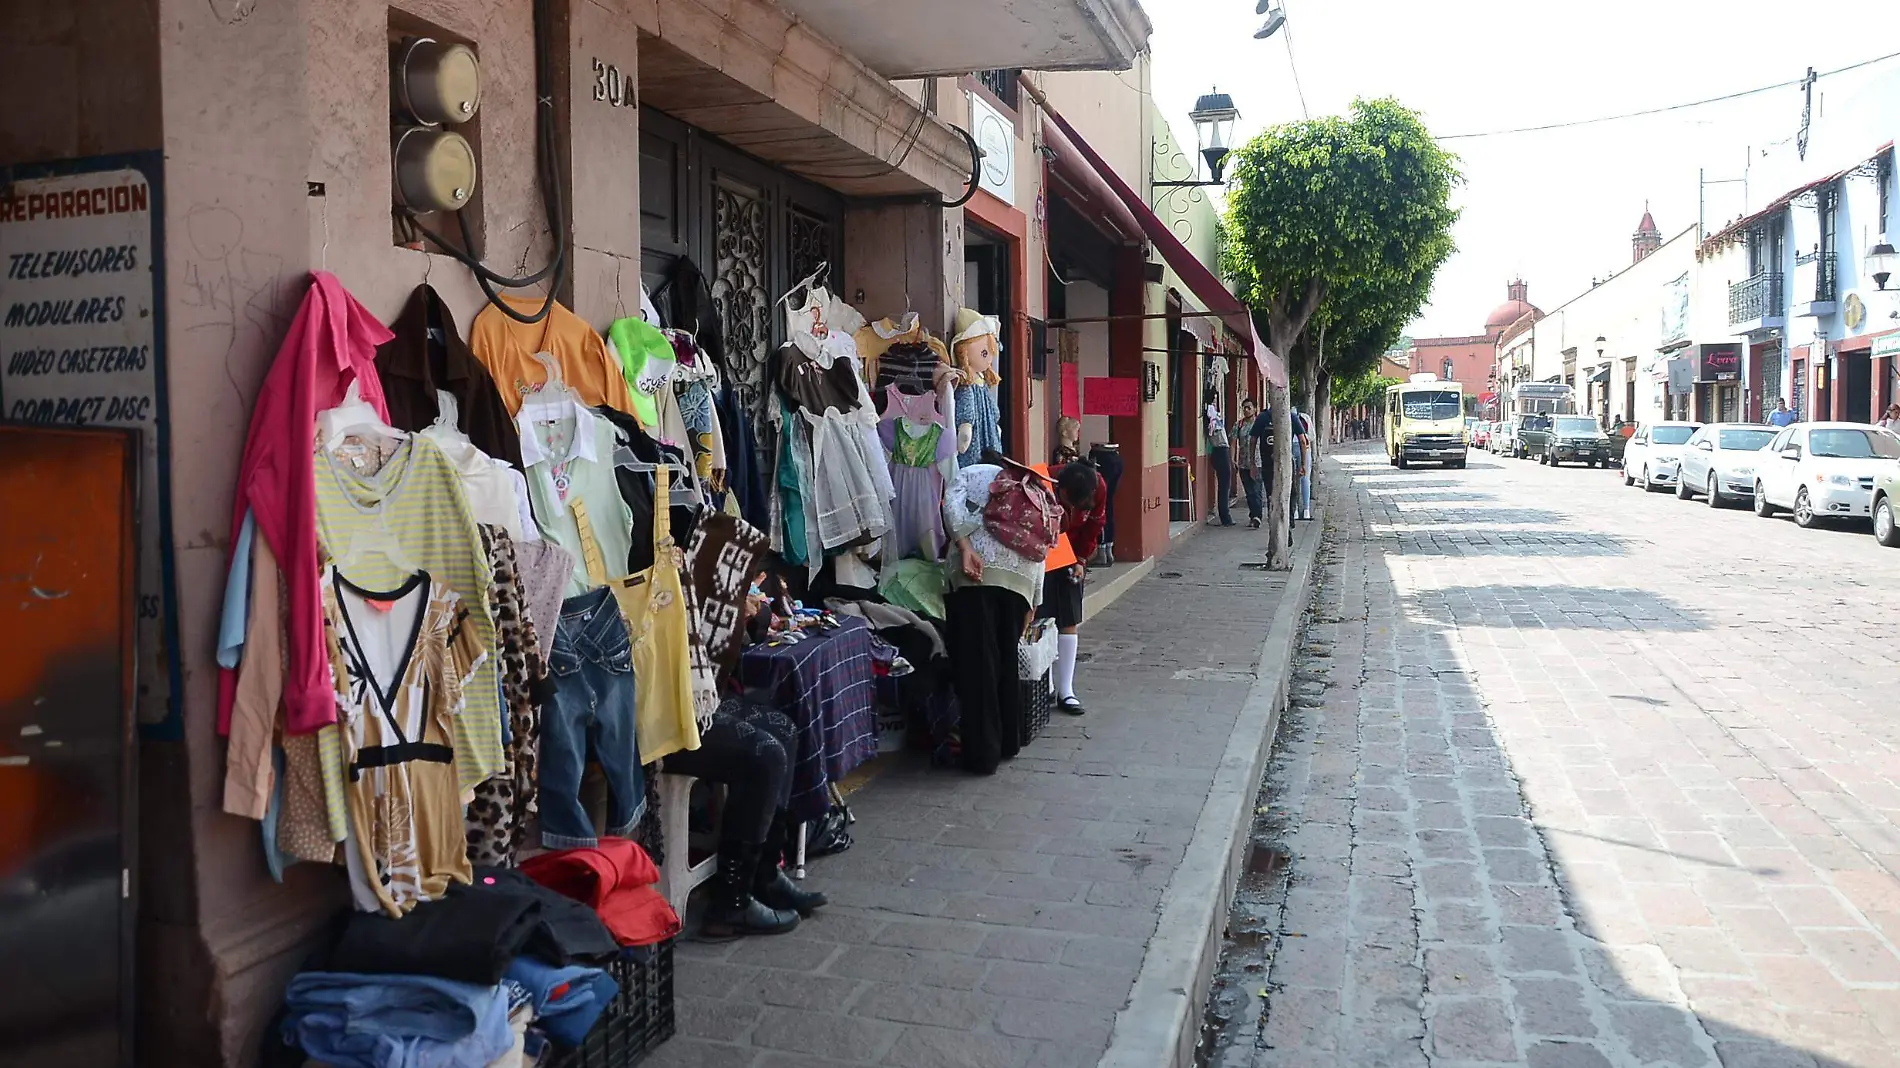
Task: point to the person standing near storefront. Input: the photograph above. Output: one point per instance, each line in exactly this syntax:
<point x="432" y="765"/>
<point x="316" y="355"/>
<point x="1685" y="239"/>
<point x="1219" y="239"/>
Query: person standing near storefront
<point x="993" y="590"/>
<point x="1084" y="497"/>
<point x="1222" y="457"/>
<point x="1246" y="447"/>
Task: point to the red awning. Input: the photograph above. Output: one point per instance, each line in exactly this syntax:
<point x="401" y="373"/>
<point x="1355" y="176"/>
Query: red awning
<point x="1199" y="280"/>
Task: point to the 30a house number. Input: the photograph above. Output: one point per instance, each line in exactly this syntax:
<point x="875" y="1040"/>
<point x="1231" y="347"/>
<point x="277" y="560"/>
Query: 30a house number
<point x="611" y="86"/>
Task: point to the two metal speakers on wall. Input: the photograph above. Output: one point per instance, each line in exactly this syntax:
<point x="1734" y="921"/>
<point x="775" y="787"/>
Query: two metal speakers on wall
<point x="434" y="85"/>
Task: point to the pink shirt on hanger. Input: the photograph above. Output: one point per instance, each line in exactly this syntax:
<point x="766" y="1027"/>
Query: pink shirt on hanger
<point x="331" y="343"/>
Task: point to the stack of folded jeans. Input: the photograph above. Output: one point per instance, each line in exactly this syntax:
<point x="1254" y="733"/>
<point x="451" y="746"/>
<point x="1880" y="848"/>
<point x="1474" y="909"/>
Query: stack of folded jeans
<point x="346" y="1020"/>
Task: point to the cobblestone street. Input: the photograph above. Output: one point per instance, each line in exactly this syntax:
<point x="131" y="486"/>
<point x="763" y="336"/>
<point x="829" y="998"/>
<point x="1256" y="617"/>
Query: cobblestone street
<point x="1602" y="778"/>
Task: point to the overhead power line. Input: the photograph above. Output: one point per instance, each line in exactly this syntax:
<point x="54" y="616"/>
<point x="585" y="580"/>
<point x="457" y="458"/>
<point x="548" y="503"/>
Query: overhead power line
<point x="1790" y="83"/>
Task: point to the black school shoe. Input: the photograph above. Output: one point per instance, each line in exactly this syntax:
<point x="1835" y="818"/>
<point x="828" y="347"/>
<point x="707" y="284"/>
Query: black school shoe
<point x="1070" y="705"/>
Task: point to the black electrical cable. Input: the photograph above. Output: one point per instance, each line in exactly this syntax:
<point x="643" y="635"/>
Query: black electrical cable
<point x="547" y="130"/>
<point x="976" y="170"/>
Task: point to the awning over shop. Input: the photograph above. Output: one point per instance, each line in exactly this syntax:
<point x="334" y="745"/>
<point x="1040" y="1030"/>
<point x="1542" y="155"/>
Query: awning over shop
<point x="1193" y="273"/>
<point x="1602" y="374"/>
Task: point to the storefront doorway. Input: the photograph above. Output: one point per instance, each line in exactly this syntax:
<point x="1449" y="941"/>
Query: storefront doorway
<point x="1856" y="375"/>
<point x="752" y="229"/>
<point x="987" y="287"/>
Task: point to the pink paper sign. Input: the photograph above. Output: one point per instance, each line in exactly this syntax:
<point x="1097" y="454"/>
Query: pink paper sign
<point x="1111" y="396"/>
<point x="1071" y="390"/>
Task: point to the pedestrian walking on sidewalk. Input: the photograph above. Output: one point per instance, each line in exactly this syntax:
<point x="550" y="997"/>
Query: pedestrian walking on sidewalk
<point x="1246" y="447"/>
<point x="1781" y="416"/>
<point x="1222" y="455"/>
<point x="1084" y="497"/>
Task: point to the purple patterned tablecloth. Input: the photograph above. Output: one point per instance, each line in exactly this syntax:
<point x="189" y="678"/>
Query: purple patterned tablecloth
<point x="827" y="685"/>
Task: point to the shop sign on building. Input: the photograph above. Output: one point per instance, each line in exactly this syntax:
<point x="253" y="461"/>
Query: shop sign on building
<point x="1886" y="345"/>
<point x="996" y="137"/>
<point x="81" y="344"/>
<point x="1720" y="362"/>
<point x="1111" y="396"/>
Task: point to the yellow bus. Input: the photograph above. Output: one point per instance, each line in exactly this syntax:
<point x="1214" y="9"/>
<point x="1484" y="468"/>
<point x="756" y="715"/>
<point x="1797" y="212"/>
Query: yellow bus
<point x="1425" y="420"/>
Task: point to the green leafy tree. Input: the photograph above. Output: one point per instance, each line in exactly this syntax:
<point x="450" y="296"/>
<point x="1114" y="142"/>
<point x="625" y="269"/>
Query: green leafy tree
<point x="1350" y="214"/>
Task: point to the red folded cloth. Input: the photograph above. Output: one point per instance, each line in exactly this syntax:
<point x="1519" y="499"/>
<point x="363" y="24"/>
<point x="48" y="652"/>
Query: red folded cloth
<point x="616" y="879"/>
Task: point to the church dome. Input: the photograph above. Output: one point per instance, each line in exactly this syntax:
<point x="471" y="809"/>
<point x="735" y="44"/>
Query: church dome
<point x="1514" y="308"/>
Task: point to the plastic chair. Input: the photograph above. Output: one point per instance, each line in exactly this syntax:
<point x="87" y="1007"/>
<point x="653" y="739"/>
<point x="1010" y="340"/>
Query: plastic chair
<point x="679" y="875"/>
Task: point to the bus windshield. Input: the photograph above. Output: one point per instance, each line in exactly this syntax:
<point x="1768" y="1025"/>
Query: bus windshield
<point x="1433" y="404"/>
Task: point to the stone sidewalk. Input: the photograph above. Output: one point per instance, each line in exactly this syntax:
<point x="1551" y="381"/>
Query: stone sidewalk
<point x="1004" y="922"/>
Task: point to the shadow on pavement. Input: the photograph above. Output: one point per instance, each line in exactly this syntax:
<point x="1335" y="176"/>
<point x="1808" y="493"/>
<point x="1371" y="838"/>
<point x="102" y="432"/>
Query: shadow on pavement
<point x="1556" y="608"/>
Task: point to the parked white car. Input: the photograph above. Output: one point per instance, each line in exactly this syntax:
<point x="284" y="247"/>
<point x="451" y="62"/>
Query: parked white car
<point x="1823" y="470"/>
<point x="1719" y="461"/>
<point x="1650" y="458"/>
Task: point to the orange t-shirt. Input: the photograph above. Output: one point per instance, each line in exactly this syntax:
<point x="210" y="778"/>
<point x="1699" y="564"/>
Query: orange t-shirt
<point x="1062" y="555"/>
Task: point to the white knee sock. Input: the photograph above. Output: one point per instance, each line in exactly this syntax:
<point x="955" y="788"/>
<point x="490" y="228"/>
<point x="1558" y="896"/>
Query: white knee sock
<point x="1065" y="664"/>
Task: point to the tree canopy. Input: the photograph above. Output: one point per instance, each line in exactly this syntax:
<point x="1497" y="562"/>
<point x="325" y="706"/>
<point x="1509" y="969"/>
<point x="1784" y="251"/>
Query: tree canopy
<point x="1357" y="204"/>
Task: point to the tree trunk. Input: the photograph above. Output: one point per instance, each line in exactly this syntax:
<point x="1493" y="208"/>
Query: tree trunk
<point x="1279" y="492"/>
<point x="1323" y="413"/>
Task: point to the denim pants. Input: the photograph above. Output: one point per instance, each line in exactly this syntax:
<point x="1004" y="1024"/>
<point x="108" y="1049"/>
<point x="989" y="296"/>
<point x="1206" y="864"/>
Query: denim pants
<point x="590" y="714"/>
<point x="1256" y="493"/>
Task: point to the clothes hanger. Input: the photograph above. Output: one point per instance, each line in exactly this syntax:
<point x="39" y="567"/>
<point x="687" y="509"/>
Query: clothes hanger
<point x="682" y="492"/>
<point x="551" y="401"/>
<point x="447" y="416"/>
<point x="352" y="417"/>
<point x="376" y="540"/>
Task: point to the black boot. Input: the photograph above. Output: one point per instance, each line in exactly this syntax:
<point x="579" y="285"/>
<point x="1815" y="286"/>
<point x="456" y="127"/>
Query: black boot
<point x="734" y="912"/>
<point x="771" y="885"/>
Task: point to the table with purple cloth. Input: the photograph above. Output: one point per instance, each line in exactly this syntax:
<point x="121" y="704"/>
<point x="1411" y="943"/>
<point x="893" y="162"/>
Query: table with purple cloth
<point x="827" y="684"/>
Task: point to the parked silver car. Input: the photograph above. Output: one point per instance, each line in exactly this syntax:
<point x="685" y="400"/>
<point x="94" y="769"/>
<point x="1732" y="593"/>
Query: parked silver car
<point x="1718" y="462"/>
<point x="1650" y="458"/>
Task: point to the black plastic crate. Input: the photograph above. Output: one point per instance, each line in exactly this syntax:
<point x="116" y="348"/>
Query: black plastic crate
<point x="640" y="1018"/>
<point x="1039" y="699"/>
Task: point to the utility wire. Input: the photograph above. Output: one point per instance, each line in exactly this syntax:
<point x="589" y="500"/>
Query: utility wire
<point x="1792" y="82"/>
<point x="1286" y="34"/>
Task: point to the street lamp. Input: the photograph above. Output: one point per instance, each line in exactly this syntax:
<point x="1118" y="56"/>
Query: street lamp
<point x="1213" y="116"/>
<point x="1881" y="261"/>
<point x="1276" y="18"/>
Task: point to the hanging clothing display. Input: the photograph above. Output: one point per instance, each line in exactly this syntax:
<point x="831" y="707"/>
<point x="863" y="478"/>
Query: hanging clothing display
<point x="502" y="807"/>
<point x="507" y="349"/>
<point x="849" y="488"/>
<point x="900" y="352"/>
<point x="923" y="454"/>
<point x="668" y="705"/>
<point x="331" y="343"/>
<point x="427" y="356"/>
<point x="380" y="524"/>
<point x="569" y="452"/>
<point x="636" y="488"/>
<point x="497" y="493"/>
<point x="589" y="716"/>
<point x="721" y="560"/>
<point x="403" y="657"/>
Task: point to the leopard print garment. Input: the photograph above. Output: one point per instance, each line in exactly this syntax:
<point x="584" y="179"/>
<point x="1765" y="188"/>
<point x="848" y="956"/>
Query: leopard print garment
<point x="498" y="817"/>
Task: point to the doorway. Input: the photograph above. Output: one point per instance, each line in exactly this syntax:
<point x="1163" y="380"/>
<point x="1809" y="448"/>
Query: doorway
<point x="1856" y="374"/>
<point x="986" y="286"/>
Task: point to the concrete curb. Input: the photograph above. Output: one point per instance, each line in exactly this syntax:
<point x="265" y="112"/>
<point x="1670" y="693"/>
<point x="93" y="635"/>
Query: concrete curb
<point x="1160" y="1025"/>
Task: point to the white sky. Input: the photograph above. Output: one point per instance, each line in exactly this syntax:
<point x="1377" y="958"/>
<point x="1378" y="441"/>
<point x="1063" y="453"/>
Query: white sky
<point x="1556" y="207"/>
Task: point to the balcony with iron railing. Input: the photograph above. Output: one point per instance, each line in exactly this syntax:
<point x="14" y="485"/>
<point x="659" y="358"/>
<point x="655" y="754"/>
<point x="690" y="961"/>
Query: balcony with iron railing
<point x="1824" y="280"/>
<point x="1755" y="300"/>
<point x="1002" y="84"/>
